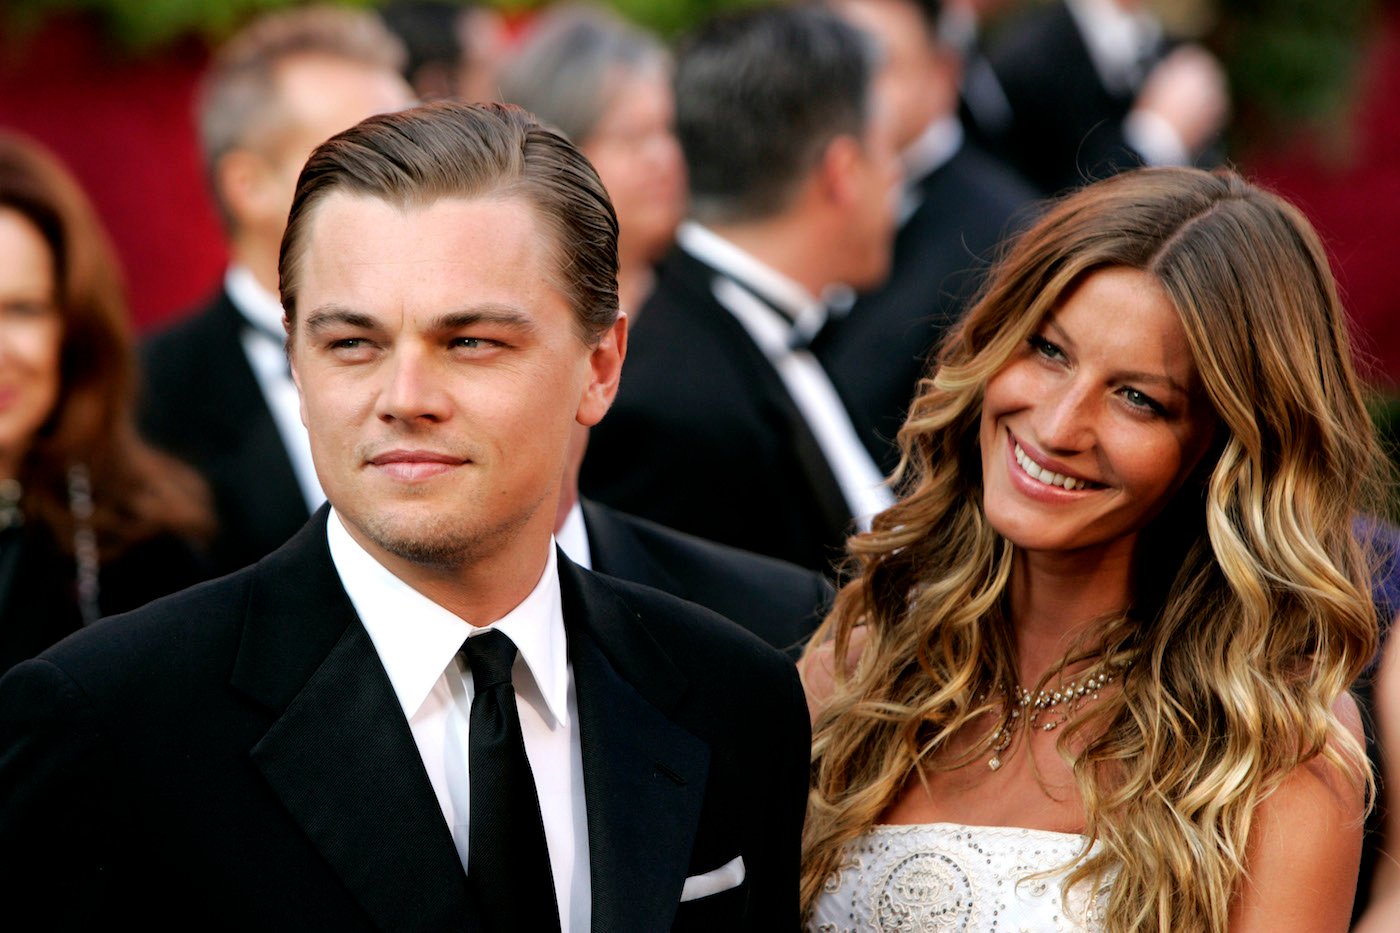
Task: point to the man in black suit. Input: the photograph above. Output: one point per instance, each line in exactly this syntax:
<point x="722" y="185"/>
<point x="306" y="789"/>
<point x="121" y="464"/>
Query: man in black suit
<point x="726" y="426"/>
<point x="959" y="203"/>
<point x="216" y="391"/>
<point x="777" y="601"/>
<point x="1090" y="87"/>
<point x="417" y="714"/>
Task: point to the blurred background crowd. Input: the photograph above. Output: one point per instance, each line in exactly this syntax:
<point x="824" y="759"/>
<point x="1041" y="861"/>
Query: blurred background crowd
<point x="185" y="125"/>
<point x="109" y="87"/>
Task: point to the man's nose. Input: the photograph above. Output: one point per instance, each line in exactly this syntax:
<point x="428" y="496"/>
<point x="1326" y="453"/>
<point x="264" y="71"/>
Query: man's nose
<point x="413" y="387"/>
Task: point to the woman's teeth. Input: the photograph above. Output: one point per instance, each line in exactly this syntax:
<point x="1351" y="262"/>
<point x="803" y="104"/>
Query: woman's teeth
<point x="1035" y="471"/>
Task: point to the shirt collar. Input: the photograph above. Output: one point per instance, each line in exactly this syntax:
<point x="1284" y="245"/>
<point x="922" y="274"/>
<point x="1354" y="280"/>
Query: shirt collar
<point x="260" y="307"/>
<point x="417" y="640"/>
<point x="747" y="270"/>
<point x="932" y="150"/>
<point x="573" y="538"/>
<point x="1117" y="40"/>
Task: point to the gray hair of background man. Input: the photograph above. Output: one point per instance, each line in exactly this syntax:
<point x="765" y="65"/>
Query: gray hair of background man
<point x="238" y="97"/>
<point x="417" y="157"/>
<point x="569" y="66"/>
<point x="759" y="97"/>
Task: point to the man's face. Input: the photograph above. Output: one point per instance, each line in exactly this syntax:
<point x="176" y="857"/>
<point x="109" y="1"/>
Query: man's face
<point x="318" y="96"/>
<point x="441" y="374"/>
<point x="913" y="81"/>
<point x="873" y="211"/>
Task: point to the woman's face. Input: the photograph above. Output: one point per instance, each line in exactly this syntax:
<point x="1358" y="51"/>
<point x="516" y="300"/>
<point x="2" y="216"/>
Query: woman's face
<point x="31" y="333"/>
<point x="1095" y="423"/>
<point x="634" y="149"/>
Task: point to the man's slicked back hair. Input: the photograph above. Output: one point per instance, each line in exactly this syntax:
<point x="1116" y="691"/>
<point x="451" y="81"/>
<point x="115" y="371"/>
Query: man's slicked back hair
<point x="759" y="96"/>
<point x="414" y="158"/>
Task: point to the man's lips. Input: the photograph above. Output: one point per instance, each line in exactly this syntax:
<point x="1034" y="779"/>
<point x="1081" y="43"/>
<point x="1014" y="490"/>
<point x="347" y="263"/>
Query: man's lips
<point x="415" y="464"/>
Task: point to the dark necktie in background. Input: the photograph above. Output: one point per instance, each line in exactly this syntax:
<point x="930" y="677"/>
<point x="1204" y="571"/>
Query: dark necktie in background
<point x="508" y="872"/>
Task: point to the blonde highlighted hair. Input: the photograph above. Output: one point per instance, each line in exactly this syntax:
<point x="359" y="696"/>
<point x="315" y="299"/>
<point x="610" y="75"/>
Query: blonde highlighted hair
<point x="1251" y="613"/>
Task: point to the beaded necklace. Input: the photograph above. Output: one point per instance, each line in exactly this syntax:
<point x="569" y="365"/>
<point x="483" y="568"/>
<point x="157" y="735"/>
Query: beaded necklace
<point x="1069" y="698"/>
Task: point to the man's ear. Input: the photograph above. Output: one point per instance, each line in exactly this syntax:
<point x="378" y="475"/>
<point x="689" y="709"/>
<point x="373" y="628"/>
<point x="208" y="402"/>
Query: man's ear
<point x="837" y="172"/>
<point x="604" y="373"/>
<point x="292" y="367"/>
<point x="241" y="177"/>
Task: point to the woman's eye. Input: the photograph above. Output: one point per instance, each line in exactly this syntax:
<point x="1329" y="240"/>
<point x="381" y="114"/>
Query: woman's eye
<point x="1140" y="399"/>
<point x="1045" y="348"/>
<point x="26" y="309"/>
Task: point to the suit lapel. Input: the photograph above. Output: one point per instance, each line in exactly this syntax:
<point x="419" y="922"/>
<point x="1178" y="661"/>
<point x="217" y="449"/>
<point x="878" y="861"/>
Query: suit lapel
<point x="829" y="501"/>
<point x="340" y="755"/>
<point x="644" y="776"/>
<point x="261" y="470"/>
<point x="615" y="550"/>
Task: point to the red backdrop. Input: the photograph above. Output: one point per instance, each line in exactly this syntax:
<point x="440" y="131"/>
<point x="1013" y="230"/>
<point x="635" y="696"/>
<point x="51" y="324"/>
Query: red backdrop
<point x="125" y="127"/>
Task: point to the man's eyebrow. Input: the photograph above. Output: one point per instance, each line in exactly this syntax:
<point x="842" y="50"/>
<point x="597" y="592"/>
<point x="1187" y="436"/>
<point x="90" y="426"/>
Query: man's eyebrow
<point x="330" y="315"/>
<point x="496" y="314"/>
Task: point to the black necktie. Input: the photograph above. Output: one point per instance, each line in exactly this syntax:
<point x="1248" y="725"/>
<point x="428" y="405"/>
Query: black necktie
<point x="508" y="871"/>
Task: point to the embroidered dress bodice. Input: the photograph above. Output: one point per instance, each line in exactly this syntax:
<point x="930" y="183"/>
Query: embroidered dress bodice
<point x="936" y="877"/>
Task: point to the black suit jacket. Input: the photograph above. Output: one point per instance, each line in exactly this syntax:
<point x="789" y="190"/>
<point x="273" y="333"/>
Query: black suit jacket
<point x="777" y="601"/>
<point x="1066" y="127"/>
<point x="878" y="351"/>
<point x="202" y="403"/>
<point x="234" y="757"/>
<point x="704" y="437"/>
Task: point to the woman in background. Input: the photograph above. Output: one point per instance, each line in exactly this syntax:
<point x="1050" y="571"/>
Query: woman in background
<point x="1092" y="669"/>
<point x="92" y="521"/>
<point x="607" y="86"/>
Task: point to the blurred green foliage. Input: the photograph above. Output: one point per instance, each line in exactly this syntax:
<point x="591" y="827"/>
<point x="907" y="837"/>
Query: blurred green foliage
<point x="1291" y="62"/>
<point x="142" y="25"/>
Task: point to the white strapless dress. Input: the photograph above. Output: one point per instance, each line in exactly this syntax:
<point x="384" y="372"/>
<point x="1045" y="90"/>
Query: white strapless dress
<point x="936" y="877"/>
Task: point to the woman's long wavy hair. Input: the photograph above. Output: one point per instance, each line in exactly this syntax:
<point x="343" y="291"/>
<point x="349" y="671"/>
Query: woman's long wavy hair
<point x="136" y="492"/>
<point x="1251" y="612"/>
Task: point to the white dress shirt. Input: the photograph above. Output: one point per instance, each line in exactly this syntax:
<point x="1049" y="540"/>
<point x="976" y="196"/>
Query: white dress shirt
<point x="1120" y="44"/>
<point x="572" y="538"/>
<point x="929" y="152"/>
<point x="418" y="640"/>
<point x="266" y="351"/>
<point x="862" y="484"/>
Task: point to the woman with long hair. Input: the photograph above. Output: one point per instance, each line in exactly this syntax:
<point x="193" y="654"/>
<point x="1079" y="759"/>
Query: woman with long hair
<point x="92" y="521"/>
<point x="1091" y="670"/>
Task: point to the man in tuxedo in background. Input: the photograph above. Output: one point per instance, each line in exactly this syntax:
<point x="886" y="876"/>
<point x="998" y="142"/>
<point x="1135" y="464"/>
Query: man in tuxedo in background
<point x="726" y="426"/>
<point x="958" y="205"/>
<point x="1091" y="87"/>
<point x="779" y="602"/>
<point x="417" y="714"/>
<point x="217" y="392"/>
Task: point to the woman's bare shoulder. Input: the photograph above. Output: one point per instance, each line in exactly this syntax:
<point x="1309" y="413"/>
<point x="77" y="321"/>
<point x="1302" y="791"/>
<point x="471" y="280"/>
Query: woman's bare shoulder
<point x="818" y="668"/>
<point x="1306" y="845"/>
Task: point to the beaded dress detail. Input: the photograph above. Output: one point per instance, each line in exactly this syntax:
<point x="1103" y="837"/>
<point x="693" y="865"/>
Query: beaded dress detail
<point x="936" y="877"/>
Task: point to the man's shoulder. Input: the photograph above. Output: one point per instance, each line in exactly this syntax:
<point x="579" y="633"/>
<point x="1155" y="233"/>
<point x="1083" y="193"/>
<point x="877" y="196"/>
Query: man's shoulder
<point x="778" y="601"/>
<point x="692" y="637"/>
<point x="196" y="332"/>
<point x="171" y="636"/>
<point x="1020" y="50"/>
<point x="980" y="184"/>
